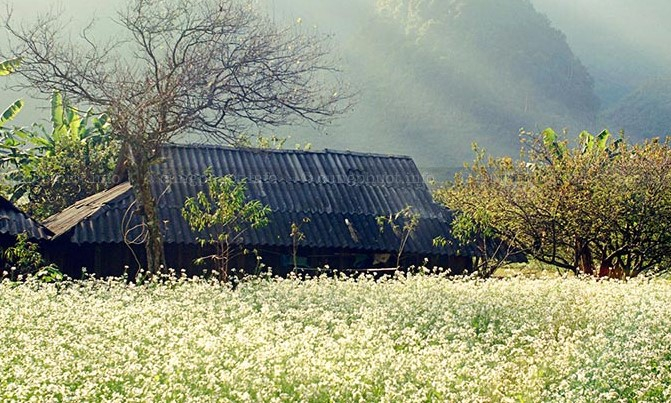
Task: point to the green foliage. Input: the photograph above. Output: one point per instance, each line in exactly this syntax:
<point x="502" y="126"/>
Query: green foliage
<point x="223" y="214"/>
<point x="475" y="232"/>
<point x="8" y="67"/>
<point x="10" y="113"/>
<point x="25" y="258"/>
<point x="47" y="171"/>
<point x="404" y="223"/>
<point x="24" y="255"/>
<point x="602" y="207"/>
<point x="49" y="274"/>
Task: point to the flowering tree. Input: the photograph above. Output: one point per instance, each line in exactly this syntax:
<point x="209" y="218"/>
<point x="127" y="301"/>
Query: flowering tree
<point x="601" y="208"/>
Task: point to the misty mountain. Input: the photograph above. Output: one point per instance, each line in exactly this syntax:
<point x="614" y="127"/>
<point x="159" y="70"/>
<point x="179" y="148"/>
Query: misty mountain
<point x="624" y="45"/>
<point x="437" y="76"/>
<point x="645" y="112"/>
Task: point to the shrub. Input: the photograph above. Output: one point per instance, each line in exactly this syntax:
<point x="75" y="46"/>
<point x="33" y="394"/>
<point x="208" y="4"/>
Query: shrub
<point x="24" y="258"/>
<point x="222" y="215"/>
<point x="47" y="171"/>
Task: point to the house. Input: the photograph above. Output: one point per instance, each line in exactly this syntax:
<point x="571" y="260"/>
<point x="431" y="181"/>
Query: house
<point x="14" y="222"/>
<point x="335" y="197"/>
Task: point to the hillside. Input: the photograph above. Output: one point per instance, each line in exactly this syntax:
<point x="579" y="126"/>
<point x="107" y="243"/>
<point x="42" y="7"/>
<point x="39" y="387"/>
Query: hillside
<point x="644" y="113"/>
<point x="622" y="45"/>
<point x="437" y="76"/>
<point x="625" y="49"/>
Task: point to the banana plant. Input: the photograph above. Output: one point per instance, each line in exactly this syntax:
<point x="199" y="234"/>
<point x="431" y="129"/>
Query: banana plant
<point x="10" y="113"/>
<point x="32" y="159"/>
<point x="87" y="129"/>
<point x="553" y="144"/>
<point x="590" y="143"/>
<point x="21" y="148"/>
<point x="7" y="67"/>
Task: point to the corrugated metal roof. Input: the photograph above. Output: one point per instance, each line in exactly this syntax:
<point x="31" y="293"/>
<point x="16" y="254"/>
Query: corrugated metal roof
<point x="14" y="222"/>
<point x="328" y="187"/>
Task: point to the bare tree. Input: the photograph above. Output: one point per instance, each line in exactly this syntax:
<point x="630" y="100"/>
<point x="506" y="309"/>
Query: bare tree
<point x="213" y="67"/>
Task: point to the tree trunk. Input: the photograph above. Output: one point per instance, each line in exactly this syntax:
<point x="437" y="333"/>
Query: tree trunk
<point x="610" y="270"/>
<point x="223" y="269"/>
<point x="584" y="258"/>
<point x="140" y="175"/>
<point x="120" y="173"/>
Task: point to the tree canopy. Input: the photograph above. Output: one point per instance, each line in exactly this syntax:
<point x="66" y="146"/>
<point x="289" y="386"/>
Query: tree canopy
<point x="47" y="170"/>
<point x="601" y="207"/>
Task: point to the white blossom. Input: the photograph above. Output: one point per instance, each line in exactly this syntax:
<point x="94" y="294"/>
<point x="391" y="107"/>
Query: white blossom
<point x="415" y="338"/>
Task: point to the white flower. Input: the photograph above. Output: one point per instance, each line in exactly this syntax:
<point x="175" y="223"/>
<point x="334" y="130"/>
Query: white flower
<point x="413" y="338"/>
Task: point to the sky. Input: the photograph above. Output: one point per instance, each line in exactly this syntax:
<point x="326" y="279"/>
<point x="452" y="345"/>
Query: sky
<point x="326" y="15"/>
<point x="79" y="12"/>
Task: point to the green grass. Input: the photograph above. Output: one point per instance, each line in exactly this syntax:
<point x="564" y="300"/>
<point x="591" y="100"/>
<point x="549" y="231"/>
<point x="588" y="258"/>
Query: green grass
<point x="419" y="338"/>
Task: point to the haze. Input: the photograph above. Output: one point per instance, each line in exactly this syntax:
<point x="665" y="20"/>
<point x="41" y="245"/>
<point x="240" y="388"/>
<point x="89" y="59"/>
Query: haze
<point x="435" y="78"/>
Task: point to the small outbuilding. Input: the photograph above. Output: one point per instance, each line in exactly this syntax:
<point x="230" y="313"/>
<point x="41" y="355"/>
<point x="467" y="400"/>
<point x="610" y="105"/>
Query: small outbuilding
<point x="336" y="198"/>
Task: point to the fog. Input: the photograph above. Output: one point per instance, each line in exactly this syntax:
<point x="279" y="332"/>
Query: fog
<point x="435" y="77"/>
<point x="622" y="42"/>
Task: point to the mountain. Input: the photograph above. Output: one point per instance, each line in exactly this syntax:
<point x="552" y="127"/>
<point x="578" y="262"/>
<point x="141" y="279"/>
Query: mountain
<point x="437" y="76"/>
<point x="643" y="113"/>
<point x="624" y="45"/>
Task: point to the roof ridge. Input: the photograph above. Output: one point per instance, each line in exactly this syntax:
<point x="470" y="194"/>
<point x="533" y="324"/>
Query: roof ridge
<point x="285" y="151"/>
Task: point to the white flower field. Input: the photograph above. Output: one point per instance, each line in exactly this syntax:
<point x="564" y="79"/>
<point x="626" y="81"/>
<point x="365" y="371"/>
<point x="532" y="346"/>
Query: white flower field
<point x="417" y="338"/>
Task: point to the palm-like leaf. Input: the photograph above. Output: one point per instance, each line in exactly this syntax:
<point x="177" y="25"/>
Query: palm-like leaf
<point x="9" y="66"/>
<point x="11" y="112"/>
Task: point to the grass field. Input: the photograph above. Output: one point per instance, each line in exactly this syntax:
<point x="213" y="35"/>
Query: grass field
<point x="419" y="338"/>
